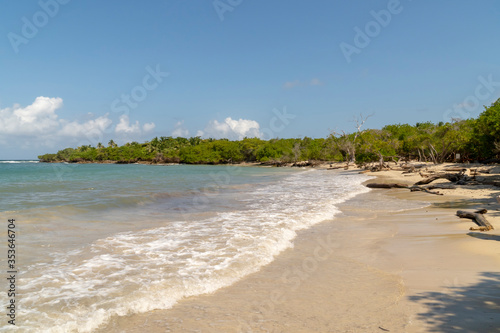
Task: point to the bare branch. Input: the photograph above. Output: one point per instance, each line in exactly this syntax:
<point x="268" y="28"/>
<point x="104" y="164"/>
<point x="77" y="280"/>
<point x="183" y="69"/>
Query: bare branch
<point x="360" y="121"/>
<point x="497" y="147"/>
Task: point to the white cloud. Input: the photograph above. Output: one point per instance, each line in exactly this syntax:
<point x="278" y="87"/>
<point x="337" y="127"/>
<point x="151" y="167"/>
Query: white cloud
<point x="124" y="126"/>
<point x="179" y="130"/>
<point x="76" y="129"/>
<point x="291" y="84"/>
<point x="465" y="105"/>
<point x="37" y="118"/>
<point x="296" y="83"/>
<point x="147" y="127"/>
<point x="231" y="129"/>
<point x="315" y="82"/>
<point x="38" y="124"/>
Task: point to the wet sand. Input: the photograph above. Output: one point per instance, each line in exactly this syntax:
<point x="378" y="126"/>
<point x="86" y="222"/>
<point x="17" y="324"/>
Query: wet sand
<point x="383" y="264"/>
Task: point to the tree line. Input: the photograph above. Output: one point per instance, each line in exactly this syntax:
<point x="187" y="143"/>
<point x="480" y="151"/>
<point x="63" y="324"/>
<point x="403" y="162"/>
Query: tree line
<point x="475" y="139"/>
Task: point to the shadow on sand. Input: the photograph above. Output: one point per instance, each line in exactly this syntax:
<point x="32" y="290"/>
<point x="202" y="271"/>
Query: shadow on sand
<point x="470" y="204"/>
<point x="473" y="308"/>
<point x="484" y="236"/>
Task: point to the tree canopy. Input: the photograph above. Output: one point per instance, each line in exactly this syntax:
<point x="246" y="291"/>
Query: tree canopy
<point x="473" y="139"/>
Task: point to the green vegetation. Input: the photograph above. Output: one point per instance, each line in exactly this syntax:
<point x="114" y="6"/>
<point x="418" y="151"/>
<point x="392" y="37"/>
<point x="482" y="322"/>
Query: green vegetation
<point x="473" y="139"/>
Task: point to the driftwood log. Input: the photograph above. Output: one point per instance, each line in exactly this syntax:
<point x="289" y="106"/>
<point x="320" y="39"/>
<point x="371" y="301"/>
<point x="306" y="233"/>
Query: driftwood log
<point x="415" y="188"/>
<point x="441" y="186"/>
<point x="459" y="178"/>
<point x="455" y="169"/>
<point x="336" y="167"/>
<point x="410" y="170"/>
<point x="490" y="182"/>
<point x="412" y="188"/>
<point x="389" y="185"/>
<point x="478" y="218"/>
<point x="410" y="166"/>
<point x="452" y="177"/>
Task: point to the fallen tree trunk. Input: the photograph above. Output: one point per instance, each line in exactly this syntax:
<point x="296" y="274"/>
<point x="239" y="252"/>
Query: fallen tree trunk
<point x="455" y="169"/>
<point x="478" y="218"/>
<point x="426" y="175"/>
<point x="412" y="188"/>
<point x="452" y="177"/>
<point x="441" y="186"/>
<point x="490" y="182"/>
<point x="389" y="185"/>
<point x="415" y="188"/>
<point x="410" y="170"/>
<point x="416" y="166"/>
<point x="398" y="169"/>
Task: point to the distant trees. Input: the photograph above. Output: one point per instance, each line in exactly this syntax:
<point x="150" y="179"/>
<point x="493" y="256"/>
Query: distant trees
<point x="473" y="139"/>
<point x="199" y="151"/>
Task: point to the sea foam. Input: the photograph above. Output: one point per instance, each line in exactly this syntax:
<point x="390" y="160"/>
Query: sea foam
<point x="139" y="271"/>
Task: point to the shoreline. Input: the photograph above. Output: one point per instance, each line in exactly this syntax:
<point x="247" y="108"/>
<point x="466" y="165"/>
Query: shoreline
<point x="382" y="264"/>
<point x="307" y="163"/>
<point x="313" y="164"/>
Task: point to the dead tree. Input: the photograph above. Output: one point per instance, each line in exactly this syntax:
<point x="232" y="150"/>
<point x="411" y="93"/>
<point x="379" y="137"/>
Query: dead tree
<point x="350" y="145"/>
<point x="360" y="121"/>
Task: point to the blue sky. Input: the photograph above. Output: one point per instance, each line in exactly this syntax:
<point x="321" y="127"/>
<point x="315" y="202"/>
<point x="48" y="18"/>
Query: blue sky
<point x="81" y="72"/>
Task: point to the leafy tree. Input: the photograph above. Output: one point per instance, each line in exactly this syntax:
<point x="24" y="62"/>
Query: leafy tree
<point x="471" y="138"/>
<point x="487" y="131"/>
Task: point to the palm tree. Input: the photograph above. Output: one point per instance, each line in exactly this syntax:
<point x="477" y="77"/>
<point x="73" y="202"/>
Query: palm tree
<point x="84" y="148"/>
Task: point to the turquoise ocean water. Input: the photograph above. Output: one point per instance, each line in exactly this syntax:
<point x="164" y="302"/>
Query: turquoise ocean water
<point x="95" y="241"/>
